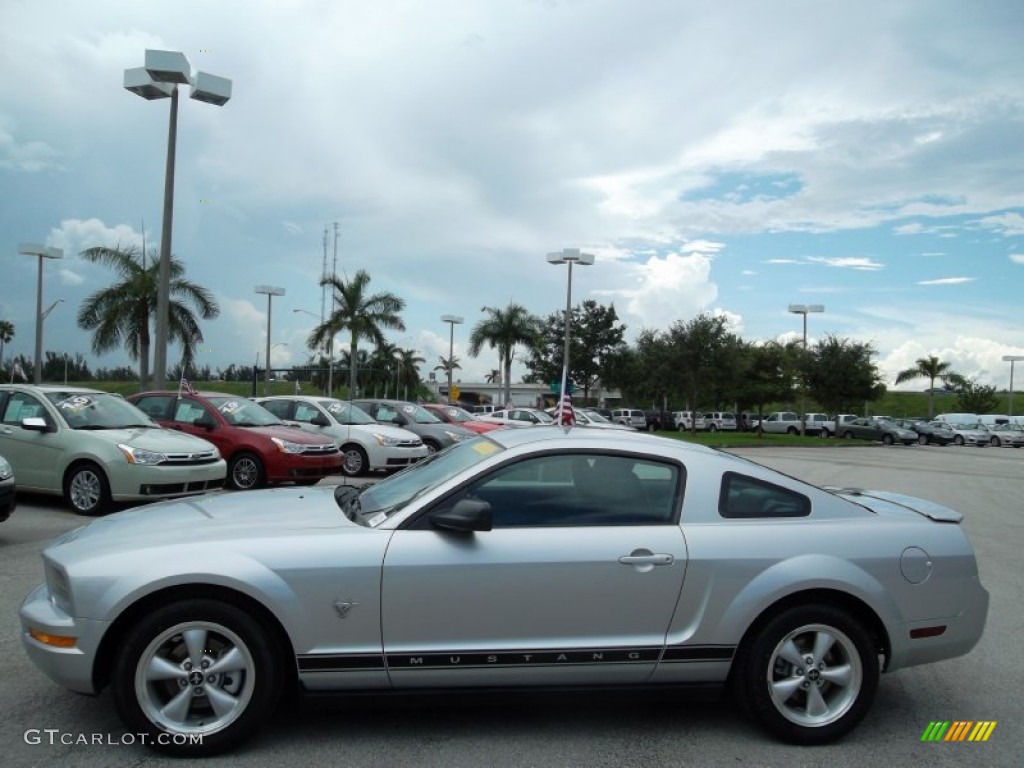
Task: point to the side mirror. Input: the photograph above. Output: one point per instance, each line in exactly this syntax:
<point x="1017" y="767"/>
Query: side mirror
<point x="204" y="421"/>
<point x="319" y="421"/>
<point x="36" y="424"/>
<point x="466" y="516"/>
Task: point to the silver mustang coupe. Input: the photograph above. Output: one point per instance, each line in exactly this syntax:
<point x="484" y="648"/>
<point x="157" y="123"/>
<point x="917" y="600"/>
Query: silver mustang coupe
<point x="533" y="557"/>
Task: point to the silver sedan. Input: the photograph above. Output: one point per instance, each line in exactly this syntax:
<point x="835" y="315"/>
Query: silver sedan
<point x="523" y="558"/>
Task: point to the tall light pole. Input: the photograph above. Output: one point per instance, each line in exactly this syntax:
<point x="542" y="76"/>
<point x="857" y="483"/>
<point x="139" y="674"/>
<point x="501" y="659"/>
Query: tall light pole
<point x="1011" y="359"/>
<point x="568" y="256"/>
<point x="452" y="321"/>
<point x="159" y="79"/>
<point x="42" y="252"/>
<point x="804" y="309"/>
<point x="271" y="291"/>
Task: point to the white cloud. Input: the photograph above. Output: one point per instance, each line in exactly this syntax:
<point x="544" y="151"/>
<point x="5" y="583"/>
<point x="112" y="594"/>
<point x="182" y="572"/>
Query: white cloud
<point x="292" y="228"/>
<point x="27" y="156"/>
<point x="947" y="281"/>
<point x="68" y="277"/>
<point x="1017" y="258"/>
<point x="76" y="235"/>
<point x="848" y="262"/>
<point x="1007" y="224"/>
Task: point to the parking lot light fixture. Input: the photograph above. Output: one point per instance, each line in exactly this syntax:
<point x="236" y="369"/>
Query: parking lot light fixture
<point x="452" y="321"/>
<point x="271" y="291"/>
<point x="1011" y="359"/>
<point x="159" y="79"/>
<point x="568" y="256"/>
<point x="804" y="309"/>
<point x="41" y="252"/>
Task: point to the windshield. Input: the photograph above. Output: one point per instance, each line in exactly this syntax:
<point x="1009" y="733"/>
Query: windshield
<point x="596" y="417"/>
<point x="459" y="416"/>
<point x="378" y="502"/>
<point x="346" y="413"/>
<point x="240" y="412"/>
<point x="98" y="410"/>
<point x="419" y="414"/>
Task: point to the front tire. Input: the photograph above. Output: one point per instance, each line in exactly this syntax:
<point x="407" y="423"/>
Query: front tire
<point x="958" y="440"/>
<point x="847" y="435"/>
<point x="809" y="675"/>
<point x="245" y="472"/>
<point x="923" y="439"/>
<point x="432" y="446"/>
<point x="888" y="439"/>
<point x="198" y="676"/>
<point x="356" y="463"/>
<point x="86" y="489"/>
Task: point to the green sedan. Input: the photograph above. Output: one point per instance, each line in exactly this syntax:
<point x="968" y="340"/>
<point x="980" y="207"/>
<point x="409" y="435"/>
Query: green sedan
<point x="95" y="448"/>
<point x="878" y="429"/>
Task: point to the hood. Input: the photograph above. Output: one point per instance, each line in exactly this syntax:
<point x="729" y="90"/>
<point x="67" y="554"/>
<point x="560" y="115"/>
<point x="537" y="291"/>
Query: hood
<point x="152" y="439"/>
<point x="886" y="503"/>
<point x="289" y="433"/>
<point x="221" y="516"/>
<point x="388" y="430"/>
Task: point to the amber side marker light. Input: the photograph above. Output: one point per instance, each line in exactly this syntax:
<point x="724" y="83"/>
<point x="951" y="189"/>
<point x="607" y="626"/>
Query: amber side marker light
<point x="57" y="641"/>
<point x="917" y="634"/>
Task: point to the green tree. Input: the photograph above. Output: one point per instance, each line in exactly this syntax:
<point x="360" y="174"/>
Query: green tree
<point x="840" y="374"/>
<point x="502" y="330"/>
<point x="930" y="368"/>
<point x="119" y="314"/>
<point x="702" y="354"/>
<point x="972" y="397"/>
<point x="56" y="364"/>
<point x="363" y="315"/>
<point x="408" y="370"/>
<point x="764" y="374"/>
<point x="594" y="336"/>
<point x="6" y="337"/>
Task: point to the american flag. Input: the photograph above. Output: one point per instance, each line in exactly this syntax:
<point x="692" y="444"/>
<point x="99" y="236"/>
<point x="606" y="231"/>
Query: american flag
<point x="564" y="415"/>
<point x="184" y="386"/>
<point x="17" y="370"/>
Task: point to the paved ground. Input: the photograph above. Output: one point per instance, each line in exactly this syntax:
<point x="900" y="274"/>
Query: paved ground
<point x="605" y="730"/>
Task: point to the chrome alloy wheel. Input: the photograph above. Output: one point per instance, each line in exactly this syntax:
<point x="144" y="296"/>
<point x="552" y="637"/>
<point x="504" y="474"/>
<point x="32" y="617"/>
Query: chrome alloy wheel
<point x="195" y="678"/>
<point x="245" y="473"/>
<point x="85" y="490"/>
<point x="814" y="675"/>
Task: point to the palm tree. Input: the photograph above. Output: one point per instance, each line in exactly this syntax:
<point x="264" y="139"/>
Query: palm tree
<point x="408" y="368"/>
<point x="363" y="316"/>
<point x="119" y="314"/>
<point x="502" y="330"/>
<point x="6" y="336"/>
<point x="930" y="368"/>
<point x="494" y="377"/>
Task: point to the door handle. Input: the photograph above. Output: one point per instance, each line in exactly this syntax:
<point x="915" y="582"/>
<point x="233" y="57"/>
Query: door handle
<point x="647" y="559"/>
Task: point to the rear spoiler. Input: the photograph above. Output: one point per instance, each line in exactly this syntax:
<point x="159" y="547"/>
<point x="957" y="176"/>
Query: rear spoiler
<point x="877" y="501"/>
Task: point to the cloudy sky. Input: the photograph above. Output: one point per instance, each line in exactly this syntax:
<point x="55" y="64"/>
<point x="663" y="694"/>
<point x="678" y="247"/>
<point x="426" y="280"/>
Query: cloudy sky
<point x="728" y="156"/>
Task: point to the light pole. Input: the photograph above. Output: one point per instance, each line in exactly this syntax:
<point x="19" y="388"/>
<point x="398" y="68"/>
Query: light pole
<point x="271" y="291"/>
<point x="159" y="79"/>
<point x="804" y="309"/>
<point x="1011" y="359"/>
<point x="568" y="256"/>
<point x="452" y="321"/>
<point x="42" y="252"/>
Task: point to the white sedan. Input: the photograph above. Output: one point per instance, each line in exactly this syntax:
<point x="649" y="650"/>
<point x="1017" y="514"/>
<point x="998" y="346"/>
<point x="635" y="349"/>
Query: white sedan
<point x="518" y="417"/>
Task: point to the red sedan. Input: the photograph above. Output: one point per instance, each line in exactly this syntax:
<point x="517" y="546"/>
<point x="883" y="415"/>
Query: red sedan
<point x="453" y="414"/>
<point x="259" y="448"/>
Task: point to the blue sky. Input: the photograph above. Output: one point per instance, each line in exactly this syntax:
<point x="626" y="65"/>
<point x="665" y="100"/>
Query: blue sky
<point x="715" y="157"/>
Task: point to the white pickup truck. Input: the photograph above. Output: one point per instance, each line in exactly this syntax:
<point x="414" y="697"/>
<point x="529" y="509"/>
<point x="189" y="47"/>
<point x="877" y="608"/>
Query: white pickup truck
<point x="826" y="426"/>
<point x="788" y="422"/>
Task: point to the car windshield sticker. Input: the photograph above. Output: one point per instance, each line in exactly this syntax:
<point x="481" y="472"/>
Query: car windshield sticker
<point x="336" y="407"/>
<point x="377" y="519"/>
<point x="76" y="403"/>
<point x="485" y="449"/>
<point x="230" y="407"/>
<point x="409" y="408"/>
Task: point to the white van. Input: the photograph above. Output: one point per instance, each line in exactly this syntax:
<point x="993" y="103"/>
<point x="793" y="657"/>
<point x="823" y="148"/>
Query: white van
<point x="991" y="419"/>
<point x="958" y="418"/>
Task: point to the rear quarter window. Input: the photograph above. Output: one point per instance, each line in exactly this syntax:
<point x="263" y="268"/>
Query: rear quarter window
<point x="744" y="497"/>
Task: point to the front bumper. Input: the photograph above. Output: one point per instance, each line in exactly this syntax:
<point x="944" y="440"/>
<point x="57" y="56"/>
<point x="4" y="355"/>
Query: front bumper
<point x="136" y="482"/>
<point x="69" y="667"/>
<point x="298" y="466"/>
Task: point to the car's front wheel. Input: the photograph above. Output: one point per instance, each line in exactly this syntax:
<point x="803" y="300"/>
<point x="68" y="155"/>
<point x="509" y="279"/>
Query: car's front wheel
<point x="808" y="675"/>
<point x="923" y="439"/>
<point x="197" y="676"/>
<point x="888" y="439"/>
<point x="432" y="446"/>
<point x="997" y="442"/>
<point x="847" y="435"/>
<point x="958" y="440"/>
<point x="86" y="489"/>
<point x="245" y="472"/>
<point x="356" y="463"/>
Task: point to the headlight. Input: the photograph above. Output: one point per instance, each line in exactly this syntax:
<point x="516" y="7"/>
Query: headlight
<point x="455" y="436"/>
<point x="5" y="468"/>
<point x="287" y="447"/>
<point x="141" y="455"/>
<point x="386" y="440"/>
<point x="59" y="586"/>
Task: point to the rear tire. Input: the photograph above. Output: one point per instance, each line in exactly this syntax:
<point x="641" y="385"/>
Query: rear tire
<point x="887" y="439"/>
<point x="923" y="439"/>
<point x="958" y="440"/>
<point x="197" y="668"/>
<point x="809" y="675"/>
<point x="847" y="435"/>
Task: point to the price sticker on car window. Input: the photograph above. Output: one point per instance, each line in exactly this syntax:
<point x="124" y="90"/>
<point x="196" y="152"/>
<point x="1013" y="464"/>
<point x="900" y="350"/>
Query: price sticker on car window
<point x="377" y="519"/>
<point x="485" y="449"/>
<point x="336" y="407"/>
<point x="230" y="407"/>
<point x="409" y="408"/>
<point x="76" y="403"/>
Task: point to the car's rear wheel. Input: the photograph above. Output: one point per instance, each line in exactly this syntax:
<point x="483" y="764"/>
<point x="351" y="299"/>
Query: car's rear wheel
<point x="847" y="435"/>
<point x="245" y="472"/>
<point x="356" y="463"/>
<point x="808" y="675"/>
<point x="997" y="442"/>
<point x="792" y="431"/>
<point x="923" y="439"/>
<point x="197" y="676"/>
<point x="86" y="489"/>
<point x="824" y="433"/>
<point x="887" y="439"/>
<point x="958" y="440"/>
<point x="712" y="427"/>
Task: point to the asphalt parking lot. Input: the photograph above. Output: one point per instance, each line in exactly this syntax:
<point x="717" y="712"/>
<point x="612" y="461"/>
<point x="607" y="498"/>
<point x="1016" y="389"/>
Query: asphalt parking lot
<point x="561" y="729"/>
